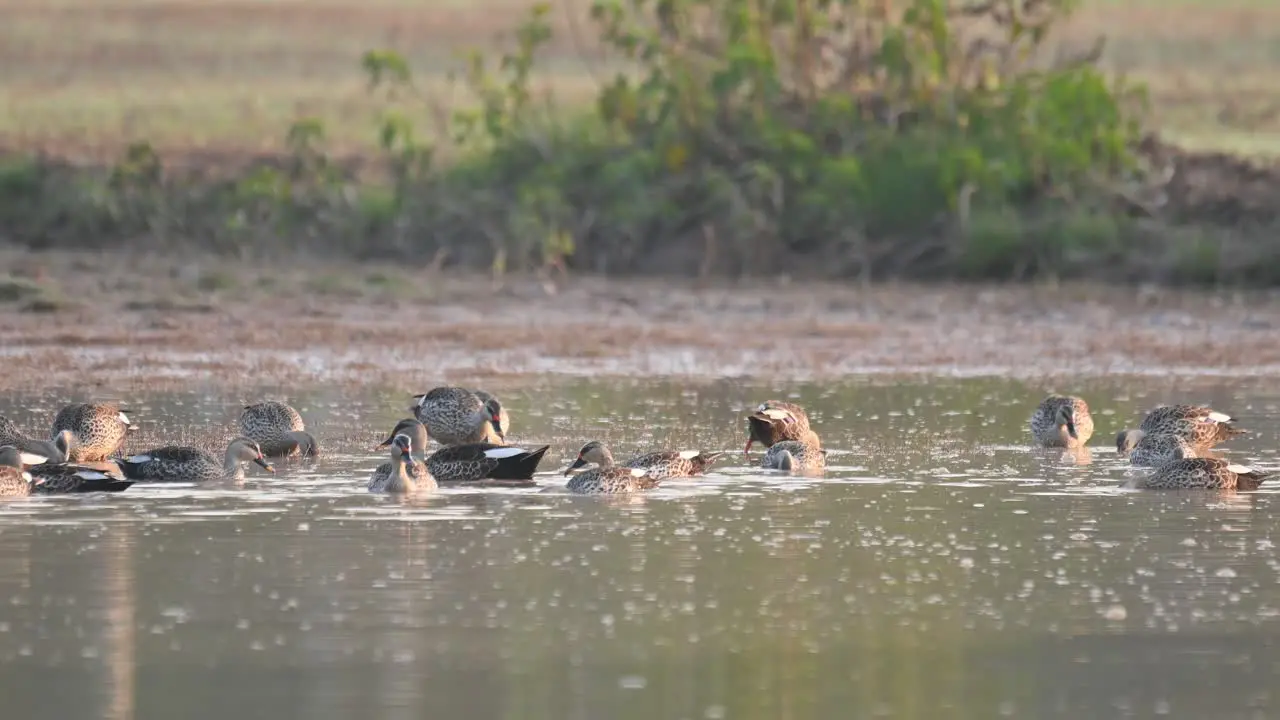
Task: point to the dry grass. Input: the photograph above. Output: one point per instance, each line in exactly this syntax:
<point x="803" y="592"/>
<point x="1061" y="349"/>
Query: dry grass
<point x="82" y="78"/>
<point x="1210" y="66"/>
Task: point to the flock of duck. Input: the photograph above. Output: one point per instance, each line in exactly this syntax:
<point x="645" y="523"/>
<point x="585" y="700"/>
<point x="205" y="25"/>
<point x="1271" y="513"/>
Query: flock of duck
<point x="1177" y="441"/>
<point x="83" y="453"/>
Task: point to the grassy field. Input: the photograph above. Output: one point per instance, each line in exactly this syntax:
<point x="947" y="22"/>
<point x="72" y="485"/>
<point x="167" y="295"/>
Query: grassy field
<point x="82" y="78"/>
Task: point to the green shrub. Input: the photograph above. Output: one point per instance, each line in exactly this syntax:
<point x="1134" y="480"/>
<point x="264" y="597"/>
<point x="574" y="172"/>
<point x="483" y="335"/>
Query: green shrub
<point x="762" y="136"/>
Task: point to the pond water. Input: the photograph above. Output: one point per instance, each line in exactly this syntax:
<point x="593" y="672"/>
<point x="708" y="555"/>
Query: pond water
<point x="941" y="569"/>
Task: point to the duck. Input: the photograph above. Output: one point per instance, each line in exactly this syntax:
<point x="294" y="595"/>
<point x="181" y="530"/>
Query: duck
<point x="611" y="480"/>
<point x="1156" y="450"/>
<point x="32" y="450"/>
<point x="783" y="427"/>
<point x="99" y="429"/>
<point x="54" y="474"/>
<point x="1062" y="421"/>
<point x="1201" y="426"/>
<point x="496" y="436"/>
<point x="417" y="446"/>
<point x="402" y="479"/>
<point x="1202" y="474"/>
<point x="774" y="421"/>
<point x="802" y="455"/>
<point x="14" y="481"/>
<point x="63" y="478"/>
<point x="660" y="465"/>
<point x="183" y="463"/>
<point x="457" y="416"/>
<point x="278" y="429"/>
<point x="473" y="462"/>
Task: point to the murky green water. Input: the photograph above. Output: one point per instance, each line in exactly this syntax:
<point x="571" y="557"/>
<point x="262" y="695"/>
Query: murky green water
<point x="941" y="570"/>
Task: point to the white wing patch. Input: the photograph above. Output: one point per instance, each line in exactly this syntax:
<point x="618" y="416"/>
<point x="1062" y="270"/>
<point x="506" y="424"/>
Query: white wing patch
<point x="27" y="476"/>
<point x="1216" y="416"/>
<point x="33" y="459"/>
<point x="639" y="472"/>
<point x="1239" y="469"/>
<point x="124" y="419"/>
<point x="689" y="454"/>
<point x="138" y="459"/>
<point x="92" y="475"/>
<point x="504" y="452"/>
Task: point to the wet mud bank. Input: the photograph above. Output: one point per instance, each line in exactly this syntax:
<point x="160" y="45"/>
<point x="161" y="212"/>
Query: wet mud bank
<point x="72" y="319"/>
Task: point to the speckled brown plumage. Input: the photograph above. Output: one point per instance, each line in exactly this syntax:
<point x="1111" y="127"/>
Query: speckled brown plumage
<point x="14" y="481"/>
<point x="660" y="465"/>
<point x="277" y="428"/>
<point x="612" y="480"/>
<point x="802" y="455"/>
<point x="1201" y="426"/>
<point x="182" y="463"/>
<point x="99" y="429"/>
<point x="1062" y="421"/>
<point x="1202" y="474"/>
<point x="1156" y="450"/>
<point x="774" y="421"/>
<point x="457" y="416"/>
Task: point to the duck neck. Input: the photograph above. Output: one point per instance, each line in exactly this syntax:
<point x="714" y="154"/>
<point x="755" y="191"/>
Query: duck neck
<point x="1064" y="435"/>
<point x="231" y="465"/>
<point x="51" y="450"/>
<point x="400" y="482"/>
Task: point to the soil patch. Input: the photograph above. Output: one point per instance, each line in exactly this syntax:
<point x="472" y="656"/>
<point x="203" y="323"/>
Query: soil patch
<point x="406" y="329"/>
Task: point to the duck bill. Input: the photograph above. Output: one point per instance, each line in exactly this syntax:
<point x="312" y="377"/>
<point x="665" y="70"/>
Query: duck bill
<point x="262" y="463"/>
<point x="496" y="424"/>
<point x="1071" y="430"/>
<point x="576" y="464"/>
<point x="385" y="443"/>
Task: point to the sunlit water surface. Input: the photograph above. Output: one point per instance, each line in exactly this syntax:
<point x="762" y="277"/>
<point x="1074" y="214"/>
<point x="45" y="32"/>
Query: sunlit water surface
<point x="941" y="569"/>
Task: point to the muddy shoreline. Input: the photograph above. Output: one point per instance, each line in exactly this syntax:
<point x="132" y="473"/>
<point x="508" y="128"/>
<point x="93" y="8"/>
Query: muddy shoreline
<point x="106" y="321"/>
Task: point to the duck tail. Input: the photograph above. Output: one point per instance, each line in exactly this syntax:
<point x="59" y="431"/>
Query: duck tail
<point x="108" y="485"/>
<point x="127" y="468"/>
<point x="519" y="467"/>
<point x="1252" y="480"/>
<point x="95" y="481"/>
